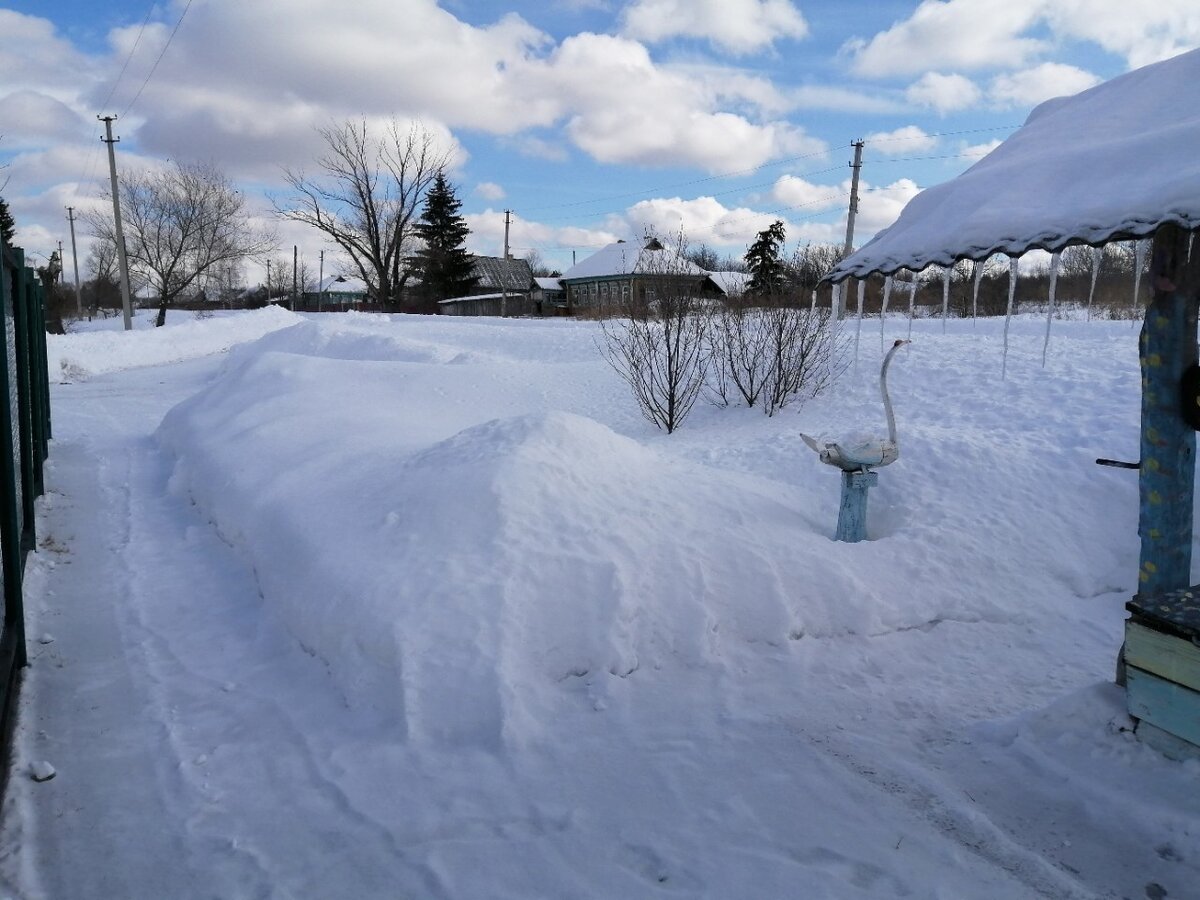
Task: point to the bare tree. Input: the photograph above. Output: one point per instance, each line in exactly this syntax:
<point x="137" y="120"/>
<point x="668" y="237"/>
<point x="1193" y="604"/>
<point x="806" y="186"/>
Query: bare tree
<point x="180" y="223"/>
<point x="369" y="198"/>
<point x="658" y="341"/>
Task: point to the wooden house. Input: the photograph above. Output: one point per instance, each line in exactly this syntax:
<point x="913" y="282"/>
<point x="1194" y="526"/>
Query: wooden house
<point x="624" y="273"/>
<point x="1116" y="162"/>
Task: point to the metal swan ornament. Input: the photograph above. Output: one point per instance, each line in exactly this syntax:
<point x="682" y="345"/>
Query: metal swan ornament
<point x="858" y="454"/>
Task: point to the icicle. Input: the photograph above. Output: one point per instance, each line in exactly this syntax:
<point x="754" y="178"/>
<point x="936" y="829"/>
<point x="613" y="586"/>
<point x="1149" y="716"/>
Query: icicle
<point x="1139" y="260"/>
<point x="1191" y="237"/>
<point x="945" y="295"/>
<point x="887" y="293"/>
<point x="978" y="273"/>
<point x="1055" y="263"/>
<point x="835" y="301"/>
<point x="862" y="289"/>
<point x="813" y="308"/>
<point x="912" y="302"/>
<point x="1097" y="256"/>
<point x="1012" y="292"/>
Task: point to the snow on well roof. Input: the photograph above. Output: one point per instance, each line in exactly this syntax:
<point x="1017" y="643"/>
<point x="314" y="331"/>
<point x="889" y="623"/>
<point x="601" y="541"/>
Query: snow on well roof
<point x="1113" y="162"/>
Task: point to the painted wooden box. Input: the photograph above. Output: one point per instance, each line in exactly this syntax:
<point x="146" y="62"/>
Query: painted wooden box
<point x="1162" y="661"/>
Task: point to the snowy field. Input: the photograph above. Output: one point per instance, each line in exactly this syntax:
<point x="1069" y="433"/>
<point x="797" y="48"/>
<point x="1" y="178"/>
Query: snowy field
<point x="417" y="607"/>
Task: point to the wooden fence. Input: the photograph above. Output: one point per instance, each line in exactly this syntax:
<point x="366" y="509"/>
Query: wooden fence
<point x="24" y="443"/>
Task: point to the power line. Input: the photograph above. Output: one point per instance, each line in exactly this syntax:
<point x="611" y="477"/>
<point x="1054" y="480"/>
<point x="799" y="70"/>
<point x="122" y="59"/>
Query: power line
<point x="128" y="58"/>
<point x="154" y="67"/>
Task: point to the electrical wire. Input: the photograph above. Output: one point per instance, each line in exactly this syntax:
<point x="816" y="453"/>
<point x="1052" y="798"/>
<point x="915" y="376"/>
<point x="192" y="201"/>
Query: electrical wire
<point x="162" y="53"/>
<point x="129" y="57"/>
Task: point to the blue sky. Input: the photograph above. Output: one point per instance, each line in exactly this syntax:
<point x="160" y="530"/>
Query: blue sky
<point x="589" y="119"/>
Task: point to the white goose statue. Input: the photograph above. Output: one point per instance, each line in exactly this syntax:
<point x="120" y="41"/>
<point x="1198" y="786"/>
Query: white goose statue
<point x="863" y="454"/>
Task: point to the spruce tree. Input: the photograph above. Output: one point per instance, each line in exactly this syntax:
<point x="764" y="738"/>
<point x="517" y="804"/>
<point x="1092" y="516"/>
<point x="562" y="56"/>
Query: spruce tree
<point x="445" y="266"/>
<point x="8" y="228"/>
<point x="767" y="270"/>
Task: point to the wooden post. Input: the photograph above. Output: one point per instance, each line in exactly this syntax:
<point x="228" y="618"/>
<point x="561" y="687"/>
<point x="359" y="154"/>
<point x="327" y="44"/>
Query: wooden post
<point x="852" y="517"/>
<point x="1167" y="477"/>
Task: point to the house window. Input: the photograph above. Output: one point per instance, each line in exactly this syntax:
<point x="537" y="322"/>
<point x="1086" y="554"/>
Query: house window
<point x="604" y="293"/>
<point x="592" y="290"/>
<point x="625" y="292"/>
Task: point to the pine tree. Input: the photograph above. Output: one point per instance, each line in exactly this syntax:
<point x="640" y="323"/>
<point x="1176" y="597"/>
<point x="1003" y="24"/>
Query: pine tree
<point x="445" y="266"/>
<point x="8" y="228"/>
<point x="767" y="270"/>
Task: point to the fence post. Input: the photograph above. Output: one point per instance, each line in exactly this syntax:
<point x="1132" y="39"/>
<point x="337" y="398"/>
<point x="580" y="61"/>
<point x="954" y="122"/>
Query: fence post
<point x="11" y="558"/>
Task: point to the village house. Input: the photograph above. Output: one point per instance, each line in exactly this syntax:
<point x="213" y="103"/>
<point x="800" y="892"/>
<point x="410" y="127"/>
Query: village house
<point x="622" y="273"/>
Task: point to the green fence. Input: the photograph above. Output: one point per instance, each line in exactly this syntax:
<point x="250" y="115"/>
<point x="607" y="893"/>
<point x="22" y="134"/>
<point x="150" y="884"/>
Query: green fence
<point x="24" y="442"/>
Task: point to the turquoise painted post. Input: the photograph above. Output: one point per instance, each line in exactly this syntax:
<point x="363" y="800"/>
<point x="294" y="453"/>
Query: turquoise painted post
<point x="852" y="517"/>
<point x="1168" y="443"/>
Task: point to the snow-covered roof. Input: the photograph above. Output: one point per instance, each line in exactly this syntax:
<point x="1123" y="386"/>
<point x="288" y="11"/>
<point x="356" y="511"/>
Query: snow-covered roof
<point x="342" y="284"/>
<point x="732" y="284"/>
<point x="623" y="258"/>
<point x="549" y="284"/>
<point x="498" y="273"/>
<point x="1113" y="162"/>
<point x="497" y="296"/>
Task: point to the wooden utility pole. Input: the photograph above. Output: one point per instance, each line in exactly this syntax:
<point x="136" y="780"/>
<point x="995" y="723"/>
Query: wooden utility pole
<point x="126" y="302"/>
<point x="75" y="257"/>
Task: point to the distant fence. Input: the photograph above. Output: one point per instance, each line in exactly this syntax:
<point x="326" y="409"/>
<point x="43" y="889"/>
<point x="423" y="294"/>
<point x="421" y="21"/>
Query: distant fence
<point x="24" y="443"/>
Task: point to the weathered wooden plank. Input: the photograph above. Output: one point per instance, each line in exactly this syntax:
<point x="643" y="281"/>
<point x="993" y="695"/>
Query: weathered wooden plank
<point x="1165" y="655"/>
<point x="1164" y="704"/>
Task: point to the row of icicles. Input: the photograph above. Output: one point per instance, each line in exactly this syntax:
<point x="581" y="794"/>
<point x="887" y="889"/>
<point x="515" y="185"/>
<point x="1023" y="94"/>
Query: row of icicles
<point x="1140" y="250"/>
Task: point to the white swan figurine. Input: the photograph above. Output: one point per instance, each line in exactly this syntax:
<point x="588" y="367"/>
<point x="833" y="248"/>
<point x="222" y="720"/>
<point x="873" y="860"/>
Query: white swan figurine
<point x="861" y="454"/>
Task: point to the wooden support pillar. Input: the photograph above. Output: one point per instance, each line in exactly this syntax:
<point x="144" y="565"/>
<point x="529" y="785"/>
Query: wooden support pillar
<point x="852" y="517"/>
<point x="1168" y="443"/>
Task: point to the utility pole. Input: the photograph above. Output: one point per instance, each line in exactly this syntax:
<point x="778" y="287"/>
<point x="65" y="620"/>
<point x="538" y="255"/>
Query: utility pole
<point x="849" y="245"/>
<point x="75" y="257"/>
<point x="507" y="221"/>
<point x="295" y="270"/>
<point x="268" y="282"/>
<point x="126" y="303"/>
<point x="504" y="269"/>
<point x="321" y="281"/>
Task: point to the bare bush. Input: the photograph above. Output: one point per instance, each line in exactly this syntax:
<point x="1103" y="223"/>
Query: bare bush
<point x="656" y="340"/>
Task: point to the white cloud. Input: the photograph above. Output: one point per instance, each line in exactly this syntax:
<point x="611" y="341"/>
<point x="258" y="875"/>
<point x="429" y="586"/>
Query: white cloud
<point x="979" y="151"/>
<point x="489" y="190"/>
<point x="1151" y="32"/>
<point x="739" y="26"/>
<point x="944" y="93"/>
<point x="1031" y="86"/>
<point x="793" y="191"/>
<point x="631" y="111"/>
<point x="909" y="139"/>
<point x="487" y="235"/>
<point x="879" y="207"/>
<point x="702" y="220"/>
<point x="951" y="34"/>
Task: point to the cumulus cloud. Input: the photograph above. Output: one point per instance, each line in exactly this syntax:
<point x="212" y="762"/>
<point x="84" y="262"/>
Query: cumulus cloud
<point x="879" y="207"/>
<point x="487" y="234"/>
<point x="641" y="113"/>
<point x="944" y="93"/>
<point x="909" y="139"/>
<point x="951" y="34"/>
<point x="489" y="190"/>
<point x="979" y="151"/>
<point x="793" y="191"/>
<point x="1031" y="86"/>
<point x="702" y="220"/>
<point x="1153" y="32"/>
<point x="738" y="26"/>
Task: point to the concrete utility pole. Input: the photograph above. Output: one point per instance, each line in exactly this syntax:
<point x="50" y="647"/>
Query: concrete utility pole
<point x="507" y="221"/>
<point x="295" y="270"/>
<point x="126" y="302"/>
<point x="75" y="257"/>
<point x="268" y="282"/>
<point x="321" y="281"/>
<point x="853" y="213"/>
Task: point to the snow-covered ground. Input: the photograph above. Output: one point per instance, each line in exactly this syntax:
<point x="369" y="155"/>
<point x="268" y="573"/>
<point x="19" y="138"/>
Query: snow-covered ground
<point x="421" y="607"/>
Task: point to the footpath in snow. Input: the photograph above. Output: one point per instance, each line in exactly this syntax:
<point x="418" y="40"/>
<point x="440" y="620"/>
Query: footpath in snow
<point x="416" y="607"/>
